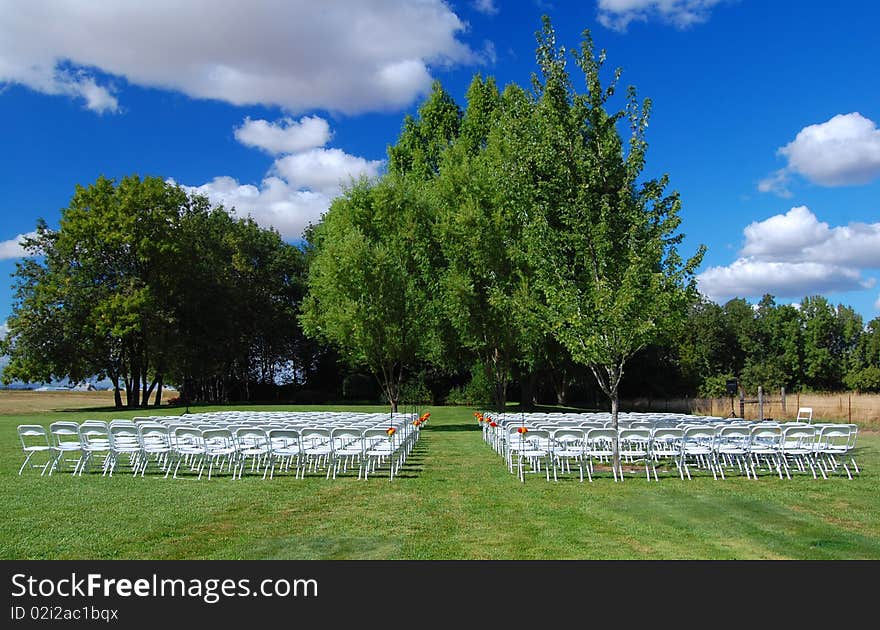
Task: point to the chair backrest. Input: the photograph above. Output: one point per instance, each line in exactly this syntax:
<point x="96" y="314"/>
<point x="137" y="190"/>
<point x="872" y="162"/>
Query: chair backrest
<point x="343" y="436"/>
<point x="218" y="439"/>
<point x="805" y="414"/>
<point x="65" y="433"/>
<point x="33" y="436"/>
<point x="698" y="437"/>
<point x="600" y="438"/>
<point x="668" y="434"/>
<point x="734" y="432"/>
<point x="124" y="435"/>
<point x="798" y="437"/>
<point x="94" y="434"/>
<point x="252" y="437"/>
<point x="188" y="437"/>
<point x="284" y="438"/>
<point x="568" y="436"/>
<point x="834" y="437"/>
<point x="153" y="436"/>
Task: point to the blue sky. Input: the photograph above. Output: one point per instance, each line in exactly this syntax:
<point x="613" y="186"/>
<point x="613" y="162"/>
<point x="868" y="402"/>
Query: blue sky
<point x="765" y="113"/>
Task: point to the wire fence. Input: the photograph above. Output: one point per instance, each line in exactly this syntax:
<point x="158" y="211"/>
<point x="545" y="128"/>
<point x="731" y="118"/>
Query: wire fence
<point x="862" y="409"/>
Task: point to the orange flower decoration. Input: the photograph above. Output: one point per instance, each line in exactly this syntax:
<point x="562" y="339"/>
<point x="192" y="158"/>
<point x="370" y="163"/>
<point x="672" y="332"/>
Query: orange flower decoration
<point x="493" y="424"/>
<point x="522" y="430"/>
<point x="416" y="423"/>
<point x="390" y="431"/>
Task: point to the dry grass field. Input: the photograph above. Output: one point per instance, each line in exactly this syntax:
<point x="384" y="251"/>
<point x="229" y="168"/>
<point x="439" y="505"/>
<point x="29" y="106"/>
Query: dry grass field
<point x="24" y="401"/>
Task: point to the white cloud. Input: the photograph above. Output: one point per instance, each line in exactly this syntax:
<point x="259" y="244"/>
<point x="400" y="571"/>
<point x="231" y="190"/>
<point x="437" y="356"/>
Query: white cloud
<point x="842" y="151"/>
<point x="485" y="6"/>
<point x="795" y="254"/>
<point x="784" y="236"/>
<point x="300" y="55"/>
<point x="777" y="182"/>
<point x="750" y="277"/>
<point x="299" y="187"/>
<point x="323" y="170"/>
<point x="284" y="136"/>
<point x="12" y="248"/>
<point x="274" y="203"/>
<point x="619" y="14"/>
<point x="798" y="235"/>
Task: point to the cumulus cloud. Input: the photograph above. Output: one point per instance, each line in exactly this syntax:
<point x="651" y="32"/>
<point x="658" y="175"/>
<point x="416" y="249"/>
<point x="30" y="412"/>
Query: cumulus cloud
<point x="298" y="186"/>
<point x="619" y="14"/>
<point x="324" y="170"/>
<point x="13" y="248"/>
<point x="795" y="254"/>
<point x="284" y="136"/>
<point x="750" y="277"/>
<point x="301" y="55"/>
<point x="274" y="203"/>
<point x="842" y="151"/>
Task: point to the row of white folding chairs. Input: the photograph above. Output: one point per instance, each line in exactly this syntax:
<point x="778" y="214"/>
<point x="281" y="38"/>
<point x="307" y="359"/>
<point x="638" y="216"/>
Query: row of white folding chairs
<point x="176" y="444"/>
<point x="823" y="448"/>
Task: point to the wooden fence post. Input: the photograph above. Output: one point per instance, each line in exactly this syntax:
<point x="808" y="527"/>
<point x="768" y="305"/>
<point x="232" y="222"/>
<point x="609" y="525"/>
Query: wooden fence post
<point x="783" y="402"/>
<point x="760" y="403"/>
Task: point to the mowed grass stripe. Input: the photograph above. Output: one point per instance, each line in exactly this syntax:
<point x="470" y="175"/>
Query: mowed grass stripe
<point x="454" y="499"/>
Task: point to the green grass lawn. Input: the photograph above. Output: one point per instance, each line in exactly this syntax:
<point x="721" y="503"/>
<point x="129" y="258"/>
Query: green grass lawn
<point x="454" y="499"/>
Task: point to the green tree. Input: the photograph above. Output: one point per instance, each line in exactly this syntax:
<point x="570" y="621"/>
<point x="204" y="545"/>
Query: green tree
<point x="369" y="283"/>
<point x="95" y="289"/>
<point x="864" y="370"/>
<point x="608" y="262"/>
<point x="142" y="283"/>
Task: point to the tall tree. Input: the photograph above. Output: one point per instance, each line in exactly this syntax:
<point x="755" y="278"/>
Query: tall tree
<point x="369" y="280"/>
<point x="95" y="289"/>
<point x="143" y="283"/>
<point x="609" y="266"/>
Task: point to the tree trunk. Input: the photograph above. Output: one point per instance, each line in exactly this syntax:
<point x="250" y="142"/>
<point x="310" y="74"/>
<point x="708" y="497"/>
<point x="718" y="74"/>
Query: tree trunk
<point x="117" y="394"/>
<point x="561" y="388"/>
<point x="615" y="402"/>
<point x="158" y="401"/>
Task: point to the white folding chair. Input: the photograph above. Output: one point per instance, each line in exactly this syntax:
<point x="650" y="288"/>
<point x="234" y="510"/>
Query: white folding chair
<point x="94" y="438"/>
<point x="123" y="441"/>
<point x="221" y="449"/>
<point x="285" y="446"/>
<point x="599" y="447"/>
<point x="568" y="447"/>
<point x="798" y="447"/>
<point x="188" y="445"/>
<point x="635" y="445"/>
<point x="698" y="446"/>
<point x="34" y="439"/>
<point x="155" y="442"/>
<point x="733" y="447"/>
<point x="535" y="449"/>
<point x="252" y="443"/>
<point x="805" y="414"/>
<point x="65" y="439"/>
